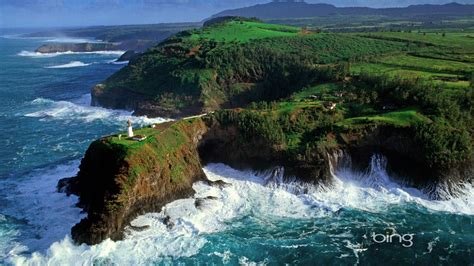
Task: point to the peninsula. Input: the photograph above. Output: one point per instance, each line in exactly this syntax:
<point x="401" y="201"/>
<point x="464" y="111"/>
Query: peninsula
<point x="278" y="95"/>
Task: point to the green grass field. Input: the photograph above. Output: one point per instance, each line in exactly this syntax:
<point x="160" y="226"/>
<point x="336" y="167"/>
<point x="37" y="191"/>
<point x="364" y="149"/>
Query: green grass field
<point x="463" y="40"/>
<point x="319" y="90"/>
<point x="401" y="118"/>
<point x="244" y="31"/>
<point x="445" y="59"/>
<point x="451" y="81"/>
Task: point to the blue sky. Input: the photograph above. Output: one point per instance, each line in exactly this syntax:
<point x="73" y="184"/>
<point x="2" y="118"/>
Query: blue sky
<point x="56" y="13"/>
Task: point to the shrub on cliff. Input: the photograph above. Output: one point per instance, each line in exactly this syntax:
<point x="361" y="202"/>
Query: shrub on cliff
<point x="443" y="145"/>
<point x="447" y="137"/>
<point x="252" y="125"/>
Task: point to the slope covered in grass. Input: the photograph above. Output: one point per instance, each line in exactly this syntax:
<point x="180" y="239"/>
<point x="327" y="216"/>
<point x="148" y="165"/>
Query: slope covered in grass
<point x="234" y="62"/>
<point x="445" y="59"/>
<point x="244" y="31"/>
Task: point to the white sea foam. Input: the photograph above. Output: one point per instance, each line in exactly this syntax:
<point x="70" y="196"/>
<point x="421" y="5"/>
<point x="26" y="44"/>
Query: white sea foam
<point x="46" y="55"/>
<point x="115" y="62"/>
<point x="71" y="65"/>
<point x="247" y="194"/>
<point x="81" y="110"/>
<point x="375" y="190"/>
<point x="46" y="214"/>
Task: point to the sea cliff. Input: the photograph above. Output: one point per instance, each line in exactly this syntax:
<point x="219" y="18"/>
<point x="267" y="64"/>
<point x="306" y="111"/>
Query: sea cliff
<point x="120" y="178"/>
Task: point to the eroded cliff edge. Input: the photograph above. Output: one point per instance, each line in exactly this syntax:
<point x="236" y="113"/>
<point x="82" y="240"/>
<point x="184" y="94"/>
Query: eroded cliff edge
<point x="120" y="179"/>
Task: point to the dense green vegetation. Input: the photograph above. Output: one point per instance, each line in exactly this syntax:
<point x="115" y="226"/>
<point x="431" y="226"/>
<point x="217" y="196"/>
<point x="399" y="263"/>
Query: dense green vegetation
<point x="302" y="95"/>
<point x="238" y="61"/>
<point x="445" y="59"/>
<point x="304" y="90"/>
<point x="445" y="129"/>
<point x="440" y="122"/>
<point x="375" y="23"/>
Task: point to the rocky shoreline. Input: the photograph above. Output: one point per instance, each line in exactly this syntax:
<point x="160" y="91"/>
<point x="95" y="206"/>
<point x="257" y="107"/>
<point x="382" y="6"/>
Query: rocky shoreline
<point x="132" y="48"/>
<point x="76" y="47"/>
<point x="117" y="183"/>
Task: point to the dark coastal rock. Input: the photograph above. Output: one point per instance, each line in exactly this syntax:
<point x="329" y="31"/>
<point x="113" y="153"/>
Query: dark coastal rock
<point x="218" y="183"/>
<point x="225" y="144"/>
<point x="139" y="228"/>
<point x="199" y="203"/>
<point x="68" y="186"/>
<point x="396" y="144"/>
<point x="76" y="47"/>
<point x="117" y="99"/>
<point x="113" y="194"/>
<point x="168" y="222"/>
<point x="403" y="154"/>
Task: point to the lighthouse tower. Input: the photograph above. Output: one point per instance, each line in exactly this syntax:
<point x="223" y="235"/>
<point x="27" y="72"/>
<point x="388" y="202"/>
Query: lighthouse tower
<point x="130" y="129"/>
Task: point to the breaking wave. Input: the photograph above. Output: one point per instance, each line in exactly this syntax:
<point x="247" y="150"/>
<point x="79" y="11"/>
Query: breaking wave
<point x="44" y="215"/>
<point x="374" y="190"/>
<point x="246" y="194"/>
<point x="81" y="110"/>
<point x="71" y="65"/>
<point x="115" y="62"/>
<point x="46" y="55"/>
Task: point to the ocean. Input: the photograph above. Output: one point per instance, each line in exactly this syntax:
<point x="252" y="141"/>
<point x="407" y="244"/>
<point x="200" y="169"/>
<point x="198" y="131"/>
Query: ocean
<point x="47" y="124"/>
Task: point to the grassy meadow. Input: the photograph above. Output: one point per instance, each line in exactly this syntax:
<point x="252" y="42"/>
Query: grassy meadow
<point x="443" y="58"/>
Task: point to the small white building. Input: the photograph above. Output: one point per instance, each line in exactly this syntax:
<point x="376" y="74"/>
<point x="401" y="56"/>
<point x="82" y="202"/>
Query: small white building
<point x="130" y="129"/>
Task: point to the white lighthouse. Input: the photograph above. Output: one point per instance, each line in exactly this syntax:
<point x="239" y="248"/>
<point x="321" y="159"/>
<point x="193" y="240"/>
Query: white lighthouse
<point x="130" y="129"/>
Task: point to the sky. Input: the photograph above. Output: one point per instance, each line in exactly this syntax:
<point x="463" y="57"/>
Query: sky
<point x="60" y="13"/>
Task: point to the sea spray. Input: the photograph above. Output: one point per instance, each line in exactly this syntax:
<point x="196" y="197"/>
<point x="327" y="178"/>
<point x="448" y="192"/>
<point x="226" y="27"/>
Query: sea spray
<point x="47" y="55"/>
<point x="66" y="110"/>
<point x="71" y="64"/>
<point x="250" y="196"/>
<point x="376" y="180"/>
<point x="43" y="215"/>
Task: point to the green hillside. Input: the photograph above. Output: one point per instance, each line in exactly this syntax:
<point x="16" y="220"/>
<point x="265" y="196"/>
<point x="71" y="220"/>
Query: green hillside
<point x="302" y="91"/>
<point x="256" y="95"/>
<point x="235" y="62"/>
<point x="445" y="59"/>
<point x="244" y="31"/>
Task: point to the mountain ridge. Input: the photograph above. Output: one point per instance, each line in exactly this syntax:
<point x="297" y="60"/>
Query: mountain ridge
<point x="275" y="10"/>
